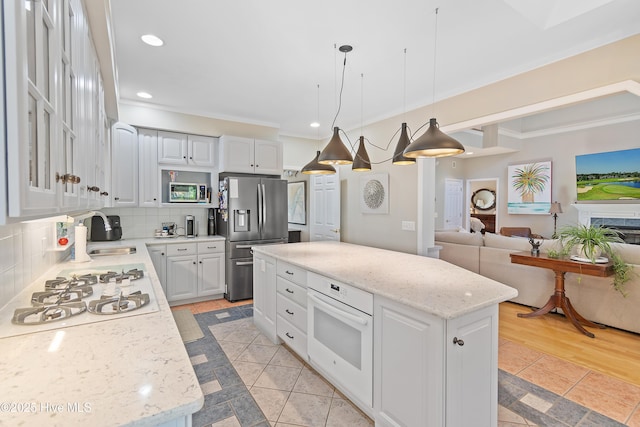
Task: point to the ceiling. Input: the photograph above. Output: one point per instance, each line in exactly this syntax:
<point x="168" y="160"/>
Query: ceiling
<point x="261" y="62"/>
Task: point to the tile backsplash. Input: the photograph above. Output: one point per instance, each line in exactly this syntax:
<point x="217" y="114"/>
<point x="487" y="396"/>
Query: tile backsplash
<point x="26" y="248"/>
<point x="142" y="222"/>
<point x="26" y="254"/>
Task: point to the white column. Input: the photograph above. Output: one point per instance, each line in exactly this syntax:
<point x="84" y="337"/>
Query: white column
<point x="426" y="207"/>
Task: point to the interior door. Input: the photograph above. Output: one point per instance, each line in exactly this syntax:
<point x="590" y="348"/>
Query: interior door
<point x="324" y="206"/>
<point x="452" y="204"/>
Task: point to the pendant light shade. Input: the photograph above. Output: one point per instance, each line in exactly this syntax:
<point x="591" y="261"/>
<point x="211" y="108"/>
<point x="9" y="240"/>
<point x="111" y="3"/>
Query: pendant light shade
<point x="361" y="163"/>
<point x="315" y="168"/>
<point x="335" y="153"/>
<point x="433" y="143"/>
<point x="398" y="155"/>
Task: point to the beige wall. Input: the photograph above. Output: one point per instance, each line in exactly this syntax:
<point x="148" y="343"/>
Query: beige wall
<point x="606" y="65"/>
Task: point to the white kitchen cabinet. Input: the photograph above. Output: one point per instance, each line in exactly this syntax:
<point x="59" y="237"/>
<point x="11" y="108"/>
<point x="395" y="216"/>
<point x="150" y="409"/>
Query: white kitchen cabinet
<point x="158" y="255"/>
<point x="182" y="277"/>
<point x="149" y="179"/>
<point x="264" y="295"/>
<point x="211" y="268"/>
<point x="181" y="149"/>
<point x="51" y="107"/>
<point x="291" y="306"/>
<point x="124" y="166"/>
<point x="248" y="155"/>
<point x="472" y="369"/>
<point x="420" y="359"/>
<point x="190" y="271"/>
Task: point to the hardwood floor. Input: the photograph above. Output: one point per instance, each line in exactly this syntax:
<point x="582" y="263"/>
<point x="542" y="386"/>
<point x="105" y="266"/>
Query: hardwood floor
<point x="612" y="352"/>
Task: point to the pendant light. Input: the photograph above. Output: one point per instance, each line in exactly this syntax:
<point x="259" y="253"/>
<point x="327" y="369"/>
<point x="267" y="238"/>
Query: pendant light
<point x="434" y="142"/>
<point x="404" y="141"/>
<point x="336" y="153"/>
<point x="361" y="162"/>
<point x="313" y="167"/>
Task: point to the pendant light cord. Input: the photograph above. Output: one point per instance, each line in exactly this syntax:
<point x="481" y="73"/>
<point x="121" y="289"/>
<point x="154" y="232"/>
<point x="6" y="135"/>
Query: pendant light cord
<point x="435" y="50"/>
<point x="344" y="66"/>
<point x="404" y="88"/>
<point x="318" y="119"/>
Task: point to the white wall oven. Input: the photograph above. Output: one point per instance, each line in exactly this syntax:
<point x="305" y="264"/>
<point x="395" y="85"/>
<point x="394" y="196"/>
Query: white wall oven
<point x="340" y="335"/>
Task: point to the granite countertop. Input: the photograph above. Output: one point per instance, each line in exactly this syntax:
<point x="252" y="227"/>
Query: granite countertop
<point x="132" y="371"/>
<point x="427" y="284"/>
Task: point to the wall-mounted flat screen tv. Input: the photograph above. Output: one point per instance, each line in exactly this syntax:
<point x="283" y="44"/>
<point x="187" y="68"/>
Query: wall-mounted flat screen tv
<point x="613" y="175"/>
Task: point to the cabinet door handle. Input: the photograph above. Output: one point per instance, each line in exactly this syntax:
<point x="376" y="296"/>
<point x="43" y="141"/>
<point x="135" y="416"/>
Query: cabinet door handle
<point x="289" y="290"/>
<point x="289" y="335"/>
<point x="289" y="312"/>
<point x="200" y="262"/>
<point x="458" y="341"/>
<point x="289" y="272"/>
<point x="182" y="249"/>
<point x="162" y="253"/>
<point x="104" y="193"/>
<point x="194" y="263"/>
<point x="212" y="247"/>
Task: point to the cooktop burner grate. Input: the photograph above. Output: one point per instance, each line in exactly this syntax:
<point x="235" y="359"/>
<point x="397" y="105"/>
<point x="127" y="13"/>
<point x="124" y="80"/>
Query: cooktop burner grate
<point x="46" y="314"/>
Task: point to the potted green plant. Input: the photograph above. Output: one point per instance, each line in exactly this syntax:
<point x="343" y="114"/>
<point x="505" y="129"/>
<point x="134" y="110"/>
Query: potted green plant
<point x="590" y="242"/>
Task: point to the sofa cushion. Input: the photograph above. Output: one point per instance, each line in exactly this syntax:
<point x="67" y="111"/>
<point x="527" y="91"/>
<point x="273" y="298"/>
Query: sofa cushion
<point x="517" y="243"/>
<point x="474" y="239"/>
<point x="629" y="253"/>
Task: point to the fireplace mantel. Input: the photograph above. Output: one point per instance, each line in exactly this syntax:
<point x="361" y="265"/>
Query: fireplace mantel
<point x="586" y="211"/>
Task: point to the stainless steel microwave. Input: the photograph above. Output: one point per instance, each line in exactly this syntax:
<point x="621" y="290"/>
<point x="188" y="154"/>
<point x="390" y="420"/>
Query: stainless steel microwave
<point x="183" y="192"/>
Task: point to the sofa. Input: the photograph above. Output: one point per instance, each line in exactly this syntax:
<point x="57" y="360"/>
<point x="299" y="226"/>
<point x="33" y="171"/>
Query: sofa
<point x="593" y="297"/>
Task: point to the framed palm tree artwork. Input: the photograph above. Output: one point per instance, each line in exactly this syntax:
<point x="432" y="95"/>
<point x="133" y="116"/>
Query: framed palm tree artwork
<point x="529" y="190"/>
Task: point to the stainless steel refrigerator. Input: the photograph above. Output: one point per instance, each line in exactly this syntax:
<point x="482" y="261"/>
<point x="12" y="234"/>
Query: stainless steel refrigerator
<point x="253" y="211"/>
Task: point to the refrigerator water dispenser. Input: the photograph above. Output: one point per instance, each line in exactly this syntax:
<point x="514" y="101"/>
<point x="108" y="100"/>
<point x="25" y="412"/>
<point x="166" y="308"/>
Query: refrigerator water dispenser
<point x="241" y="220"/>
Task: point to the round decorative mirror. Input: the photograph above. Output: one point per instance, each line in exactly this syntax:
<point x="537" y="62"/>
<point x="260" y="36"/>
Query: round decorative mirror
<point x="483" y="199"/>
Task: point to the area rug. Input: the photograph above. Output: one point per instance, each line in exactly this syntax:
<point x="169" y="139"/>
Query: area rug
<point x="187" y="325"/>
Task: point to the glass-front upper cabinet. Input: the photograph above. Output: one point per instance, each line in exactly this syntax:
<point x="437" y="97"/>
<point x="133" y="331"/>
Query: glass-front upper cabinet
<point x="52" y="103"/>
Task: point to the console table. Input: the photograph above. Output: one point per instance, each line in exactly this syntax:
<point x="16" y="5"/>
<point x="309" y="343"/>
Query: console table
<point x="559" y="299"/>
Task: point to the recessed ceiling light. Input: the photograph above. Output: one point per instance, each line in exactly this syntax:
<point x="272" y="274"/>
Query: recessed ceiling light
<point x="144" y="95"/>
<point x="315" y="125"/>
<point x="152" y="40"/>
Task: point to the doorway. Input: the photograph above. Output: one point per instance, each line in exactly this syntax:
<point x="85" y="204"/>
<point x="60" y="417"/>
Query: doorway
<point x="486" y="212"/>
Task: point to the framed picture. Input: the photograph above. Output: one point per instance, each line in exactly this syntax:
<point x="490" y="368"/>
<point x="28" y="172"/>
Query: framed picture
<point x="374" y="193"/>
<point x="297" y="202"/>
<point x="529" y="190"/>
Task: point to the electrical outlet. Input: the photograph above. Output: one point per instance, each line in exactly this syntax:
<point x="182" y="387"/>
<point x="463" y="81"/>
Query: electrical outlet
<point x="44" y="246"/>
<point x="409" y="225"/>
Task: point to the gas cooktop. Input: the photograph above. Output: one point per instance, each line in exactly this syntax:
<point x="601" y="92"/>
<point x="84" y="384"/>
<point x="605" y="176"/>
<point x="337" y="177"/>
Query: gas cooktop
<point x="79" y="296"/>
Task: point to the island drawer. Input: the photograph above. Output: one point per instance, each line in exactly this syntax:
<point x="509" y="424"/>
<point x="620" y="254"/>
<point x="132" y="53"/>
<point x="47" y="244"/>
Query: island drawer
<point x="293" y="337"/>
<point x="292" y="291"/>
<point x="182" y="249"/>
<point x="291" y="311"/>
<point x="210" y="247"/>
<point x="291" y="272"/>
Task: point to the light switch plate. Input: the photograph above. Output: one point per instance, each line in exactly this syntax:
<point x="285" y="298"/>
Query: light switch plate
<point x="409" y="225"/>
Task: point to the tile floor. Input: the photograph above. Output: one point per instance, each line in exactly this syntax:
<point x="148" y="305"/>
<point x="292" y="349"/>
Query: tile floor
<point x="563" y="391"/>
<point x="534" y="388"/>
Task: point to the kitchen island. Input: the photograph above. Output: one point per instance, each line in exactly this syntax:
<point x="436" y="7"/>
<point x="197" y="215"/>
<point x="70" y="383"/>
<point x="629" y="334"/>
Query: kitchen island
<point x="131" y="370"/>
<point x="435" y="327"/>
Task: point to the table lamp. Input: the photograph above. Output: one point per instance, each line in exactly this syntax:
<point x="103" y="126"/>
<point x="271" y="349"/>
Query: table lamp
<point x="555" y="209"/>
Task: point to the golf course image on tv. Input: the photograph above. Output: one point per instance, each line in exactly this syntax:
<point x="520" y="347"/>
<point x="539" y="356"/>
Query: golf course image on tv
<point x="614" y="175"/>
